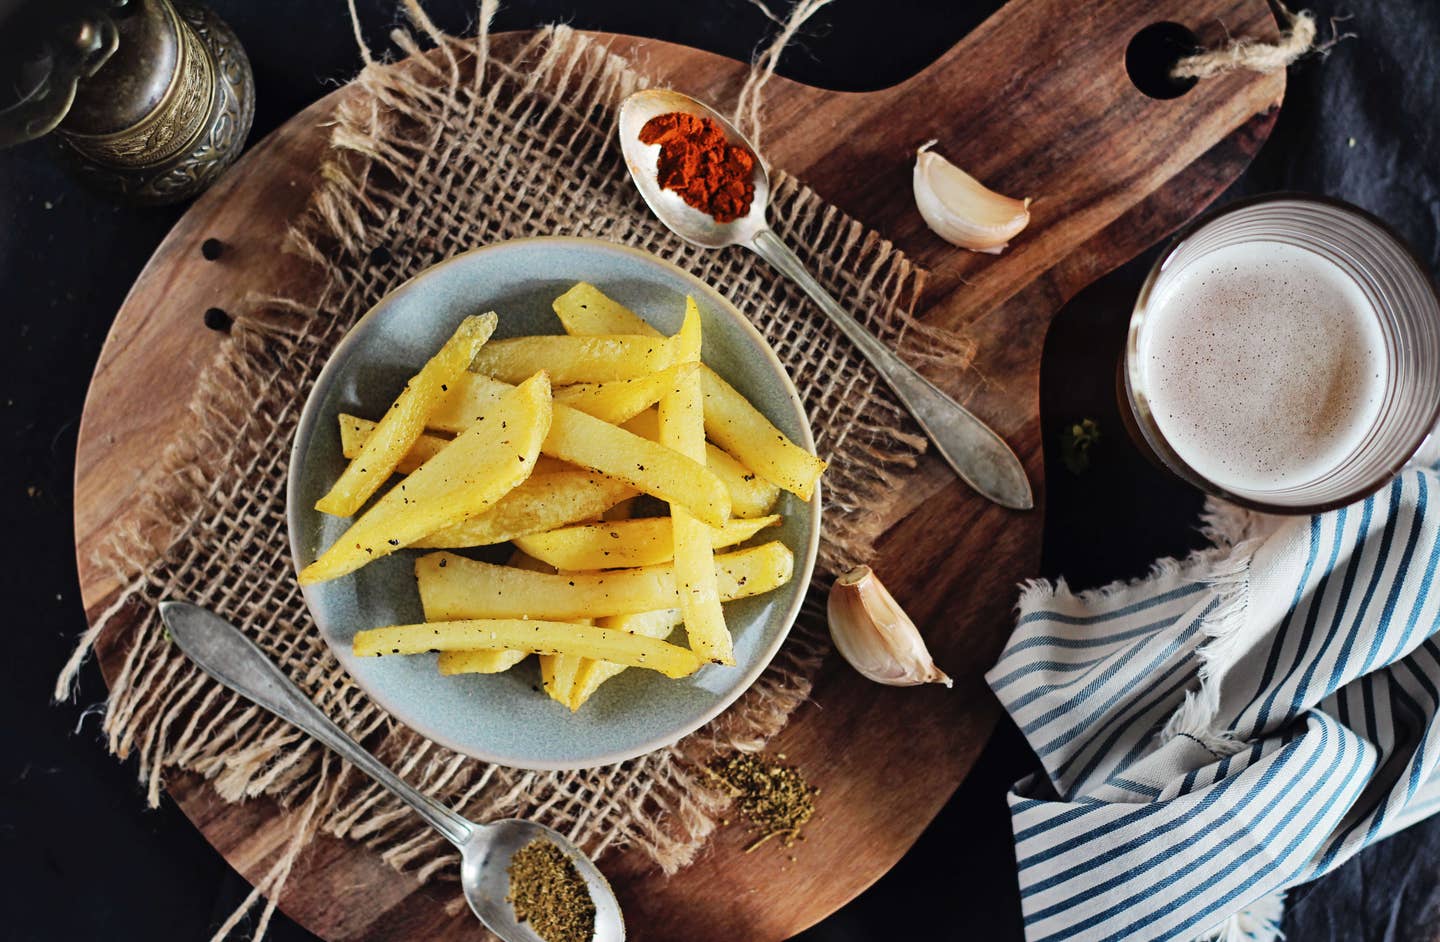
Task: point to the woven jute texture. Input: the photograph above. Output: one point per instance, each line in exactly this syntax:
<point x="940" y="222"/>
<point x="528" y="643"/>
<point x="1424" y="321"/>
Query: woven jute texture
<point x="442" y="152"/>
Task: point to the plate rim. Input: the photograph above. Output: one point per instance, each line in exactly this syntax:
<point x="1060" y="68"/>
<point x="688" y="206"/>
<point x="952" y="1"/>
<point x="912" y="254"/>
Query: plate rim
<point x="309" y="419"/>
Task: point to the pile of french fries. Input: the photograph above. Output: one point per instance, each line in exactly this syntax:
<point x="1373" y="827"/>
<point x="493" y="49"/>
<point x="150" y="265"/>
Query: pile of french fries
<point x="550" y="443"/>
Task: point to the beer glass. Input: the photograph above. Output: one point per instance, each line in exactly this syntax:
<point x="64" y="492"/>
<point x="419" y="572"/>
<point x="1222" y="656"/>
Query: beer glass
<point x="1392" y="282"/>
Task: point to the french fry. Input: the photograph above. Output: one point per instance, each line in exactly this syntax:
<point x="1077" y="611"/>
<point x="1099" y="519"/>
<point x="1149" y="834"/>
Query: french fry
<point x="621" y="511"/>
<point x="499" y="661"/>
<point x="354" y="431"/>
<point x="403" y="422"/>
<point x="467" y="477"/>
<point x="538" y="637"/>
<point x="738" y="427"/>
<point x="750" y="494"/>
<point x="623" y="399"/>
<point x="682" y="428"/>
<point x="547" y="465"/>
<point x="467" y="588"/>
<point x="574" y="359"/>
<point x="585" y="311"/>
<point x="592" y="443"/>
<point x="482" y="661"/>
<point x="736" y="582"/>
<point x="730" y="420"/>
<point x="557" y="671"/>
<point x="623" y="544"/>
<point x="541" y="503"/>
<point x="590" y="673"/>
<point x="557" y="676"/>
<point x="649" y="468"/>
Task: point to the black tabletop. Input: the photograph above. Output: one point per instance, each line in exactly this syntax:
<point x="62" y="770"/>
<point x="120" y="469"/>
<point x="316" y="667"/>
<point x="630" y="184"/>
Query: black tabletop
<point x="82" y="857"/>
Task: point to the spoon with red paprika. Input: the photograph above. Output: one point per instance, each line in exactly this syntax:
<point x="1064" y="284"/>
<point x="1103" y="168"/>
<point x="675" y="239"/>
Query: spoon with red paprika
<point x="704" y="181"/>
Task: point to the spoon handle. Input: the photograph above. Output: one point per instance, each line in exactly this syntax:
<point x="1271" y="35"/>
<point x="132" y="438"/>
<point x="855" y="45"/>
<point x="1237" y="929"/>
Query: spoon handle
<point x="220" y="650"/>
<point x="978" y="455"/>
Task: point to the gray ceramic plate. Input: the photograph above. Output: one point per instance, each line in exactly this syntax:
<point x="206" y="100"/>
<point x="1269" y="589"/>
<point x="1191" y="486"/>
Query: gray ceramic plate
<point x="505" y="718"/>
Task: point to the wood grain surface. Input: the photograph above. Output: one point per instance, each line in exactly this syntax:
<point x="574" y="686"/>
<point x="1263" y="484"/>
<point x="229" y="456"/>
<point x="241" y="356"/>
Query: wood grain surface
<point x="1036" y="101"/>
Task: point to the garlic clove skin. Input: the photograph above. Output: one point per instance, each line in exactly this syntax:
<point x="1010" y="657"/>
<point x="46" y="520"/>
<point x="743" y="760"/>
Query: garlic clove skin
<point x="873" y="633"/>
<point x="960" y="209"/>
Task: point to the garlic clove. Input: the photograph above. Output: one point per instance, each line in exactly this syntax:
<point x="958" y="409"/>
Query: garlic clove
<point x="960" y="209"/>
<point x="873" y="633"/>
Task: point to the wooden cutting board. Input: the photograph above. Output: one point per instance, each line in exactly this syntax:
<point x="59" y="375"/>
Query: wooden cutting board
<point x="1036" y="101"/>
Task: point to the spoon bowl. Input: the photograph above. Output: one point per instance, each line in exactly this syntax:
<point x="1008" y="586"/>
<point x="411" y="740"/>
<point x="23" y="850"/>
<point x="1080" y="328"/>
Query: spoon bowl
<point x="691" y="224"/>
<point x="484" y="876"/>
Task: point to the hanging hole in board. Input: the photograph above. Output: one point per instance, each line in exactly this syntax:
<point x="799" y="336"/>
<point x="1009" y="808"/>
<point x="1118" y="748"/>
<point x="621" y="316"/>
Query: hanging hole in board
<point x="1151" y="55"/>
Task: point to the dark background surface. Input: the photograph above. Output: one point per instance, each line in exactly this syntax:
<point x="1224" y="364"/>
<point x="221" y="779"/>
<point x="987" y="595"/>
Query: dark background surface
<point x="83" y="859"/>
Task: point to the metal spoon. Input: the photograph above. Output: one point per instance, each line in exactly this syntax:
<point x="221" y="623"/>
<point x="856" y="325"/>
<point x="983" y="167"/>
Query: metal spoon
<point x="220" y="650"/>
<point x="978" y="455"/>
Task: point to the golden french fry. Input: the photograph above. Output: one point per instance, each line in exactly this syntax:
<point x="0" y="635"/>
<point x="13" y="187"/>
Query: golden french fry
<point x="452" y="663"/>
<point x="585" y="311"/>
<point x="557" y="676"/>
<point x="592" y="443"/>
<point x="467" y="588"/>
<point x="649" y="468"/>
<point x="738" y="427"/>
<point x="730" y="421"/>
<point x="547" y="465"/>
<point x="623" y="544"/>
<point x="622" y="399"/>
<point x="483" y="661"/>
<point x="750" y="494"/>
<point x="541" y="503"/>
<point x="402" y="424"/>
<point x="538" y="637"/>
<point x="355" y="432"/>
<point x="590" y="673"/>
<point x="736" y="582"/>
<point x="621" y="511"/>
<point x="682" y="428"/>
<point x="573" y="359"/>
<point x="467" y="477"/>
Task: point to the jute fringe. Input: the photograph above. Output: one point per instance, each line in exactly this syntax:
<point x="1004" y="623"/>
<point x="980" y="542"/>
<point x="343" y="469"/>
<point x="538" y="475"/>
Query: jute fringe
<point x="431" y="156"/>
<point x="751" y="97"/>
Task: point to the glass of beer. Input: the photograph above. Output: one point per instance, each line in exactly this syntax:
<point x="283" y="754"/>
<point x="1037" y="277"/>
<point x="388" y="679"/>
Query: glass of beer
<point x="1284" y="354"/>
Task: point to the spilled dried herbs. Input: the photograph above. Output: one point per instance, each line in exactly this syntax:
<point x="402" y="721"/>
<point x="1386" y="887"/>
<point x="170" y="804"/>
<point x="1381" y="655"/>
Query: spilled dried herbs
<point x="775" y="799"/>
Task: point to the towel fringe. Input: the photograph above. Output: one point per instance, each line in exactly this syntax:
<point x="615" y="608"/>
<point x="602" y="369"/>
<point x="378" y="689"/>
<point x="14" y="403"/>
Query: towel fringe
<point x="1258" y="922"/>
<point x="1228" y="642"/>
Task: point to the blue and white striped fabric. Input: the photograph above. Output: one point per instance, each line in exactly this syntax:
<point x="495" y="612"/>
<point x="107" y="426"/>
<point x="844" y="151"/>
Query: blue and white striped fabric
<point x="1230" y="726"/>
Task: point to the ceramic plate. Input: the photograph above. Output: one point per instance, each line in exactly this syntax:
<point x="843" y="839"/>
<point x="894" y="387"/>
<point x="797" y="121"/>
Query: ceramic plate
<point x="506" y="718"/>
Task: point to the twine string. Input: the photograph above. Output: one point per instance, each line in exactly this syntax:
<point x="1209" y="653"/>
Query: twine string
<point x="1297" y="39"/>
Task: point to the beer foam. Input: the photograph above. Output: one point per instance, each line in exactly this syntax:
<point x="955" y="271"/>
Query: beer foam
<point x="1264" y="365"/>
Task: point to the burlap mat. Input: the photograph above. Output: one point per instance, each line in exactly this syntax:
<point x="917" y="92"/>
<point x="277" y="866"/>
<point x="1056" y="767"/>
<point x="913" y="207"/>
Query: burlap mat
<point x="433" y="156"/>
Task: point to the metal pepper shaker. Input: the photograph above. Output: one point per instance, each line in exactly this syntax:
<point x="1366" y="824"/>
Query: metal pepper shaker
<point x="151" y="99"/>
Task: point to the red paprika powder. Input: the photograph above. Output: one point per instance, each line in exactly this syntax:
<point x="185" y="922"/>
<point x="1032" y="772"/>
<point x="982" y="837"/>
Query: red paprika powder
<point x="697" y="162"/>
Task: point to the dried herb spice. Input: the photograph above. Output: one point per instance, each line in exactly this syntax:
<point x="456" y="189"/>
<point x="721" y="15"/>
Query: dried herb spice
<point x="776" y="799"/>
<point x="548" y="892"/>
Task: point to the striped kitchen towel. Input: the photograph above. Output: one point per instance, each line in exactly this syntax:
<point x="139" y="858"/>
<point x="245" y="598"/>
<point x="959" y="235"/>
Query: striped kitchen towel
<point x="1230" y="726"/>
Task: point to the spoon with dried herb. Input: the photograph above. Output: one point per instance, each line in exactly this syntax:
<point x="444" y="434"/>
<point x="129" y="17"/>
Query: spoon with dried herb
<point x="580" y="907"/>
